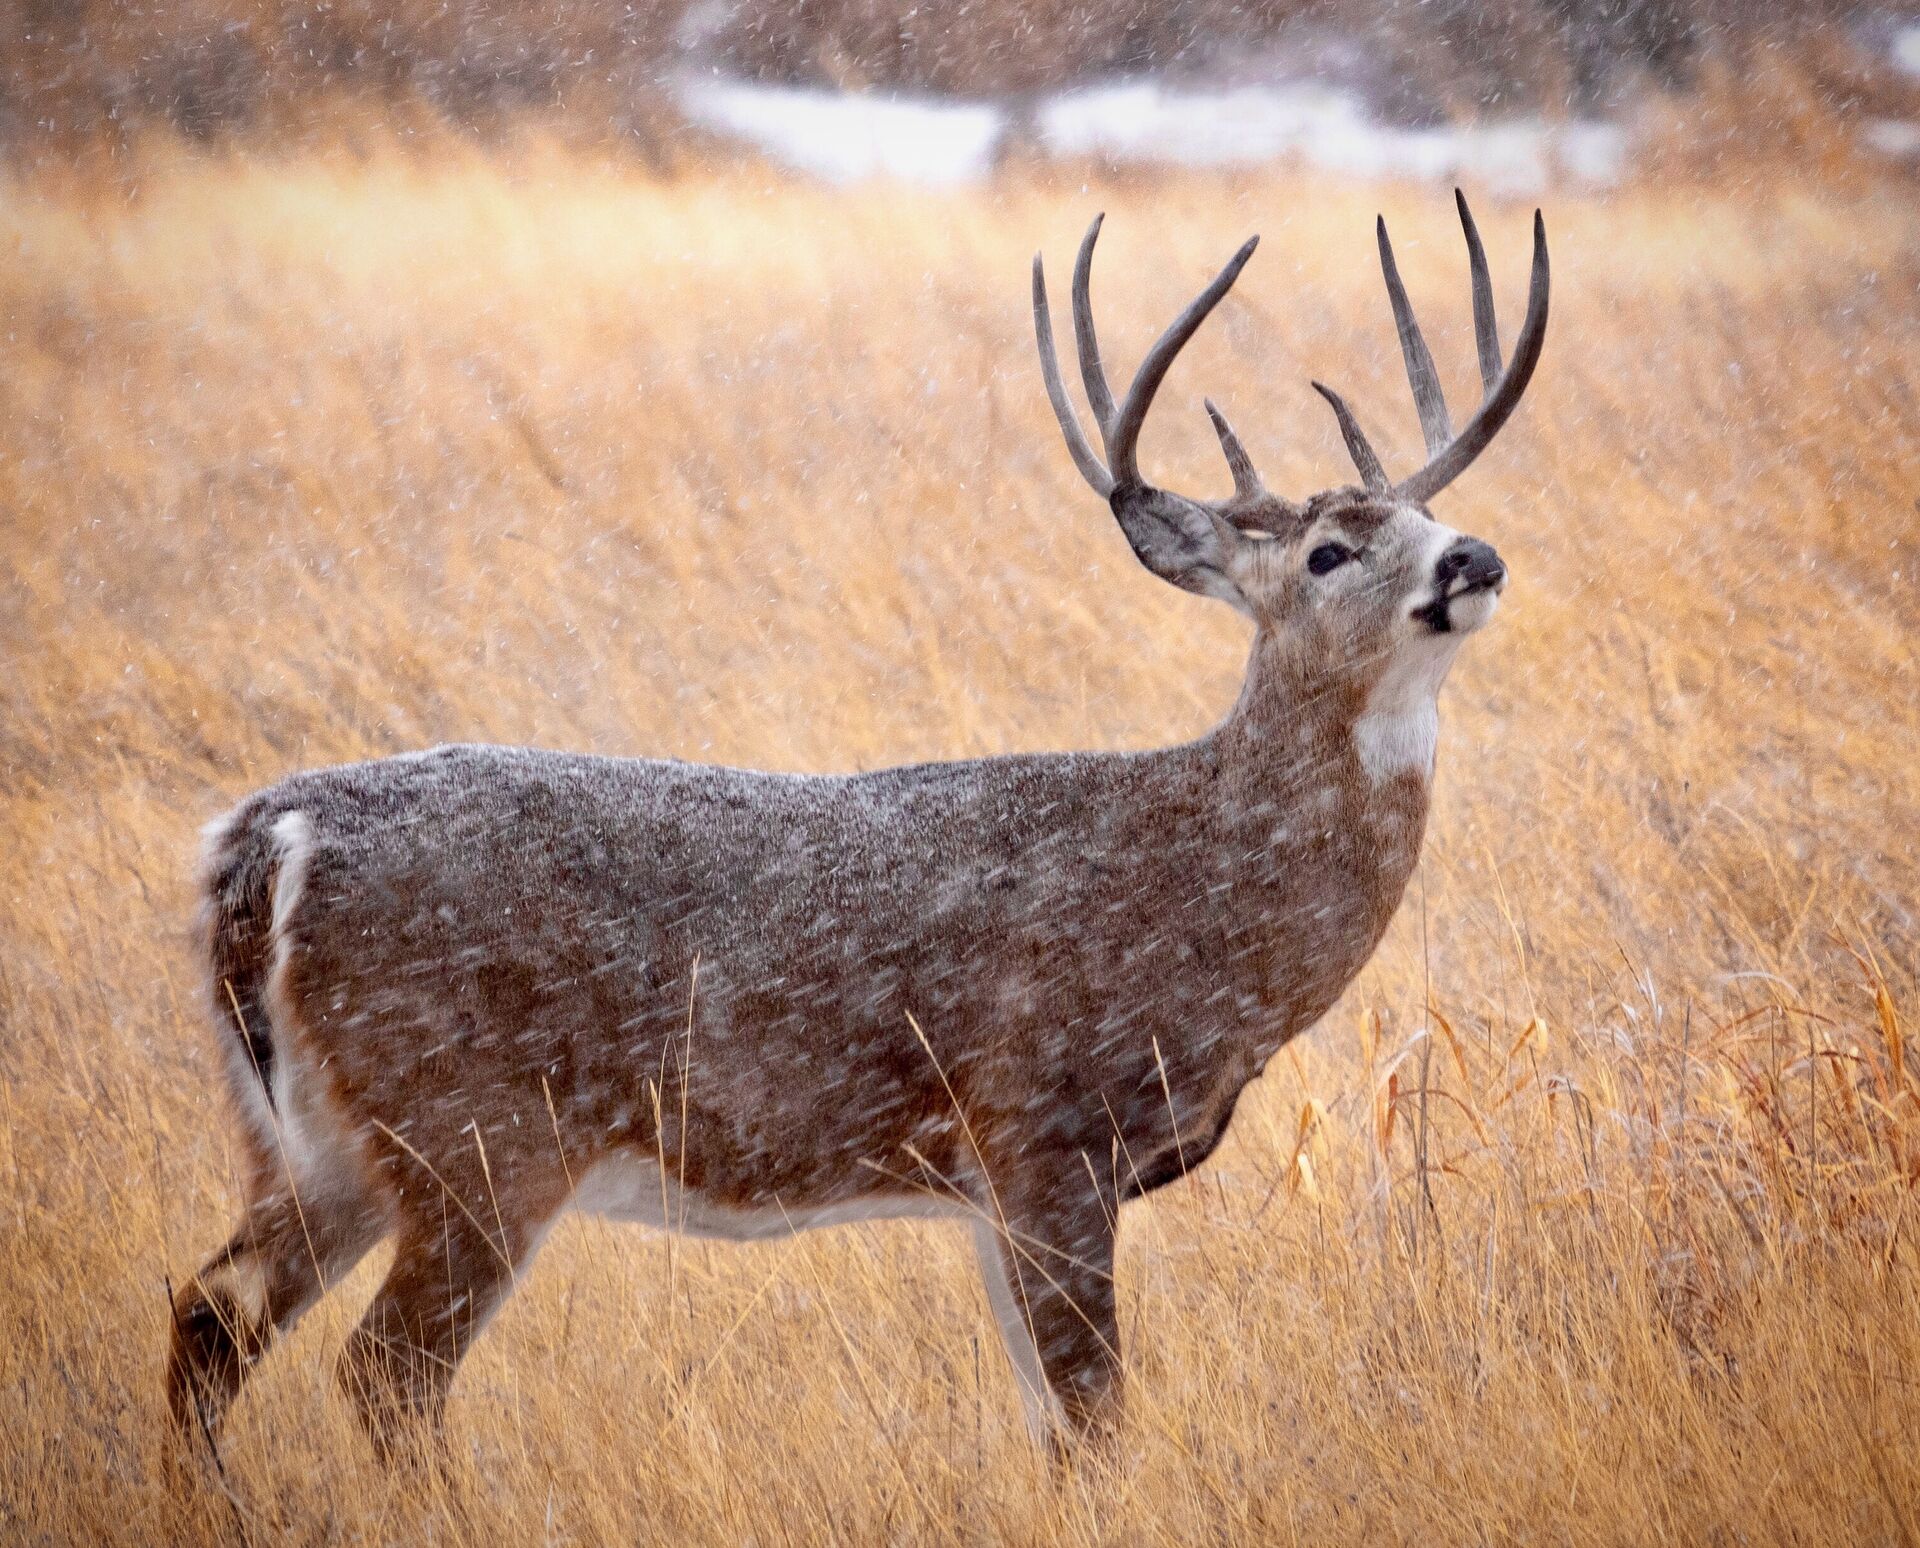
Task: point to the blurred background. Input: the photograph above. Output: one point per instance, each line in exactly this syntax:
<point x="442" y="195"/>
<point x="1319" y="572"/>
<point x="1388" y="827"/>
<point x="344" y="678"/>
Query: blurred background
<point x="948" y="91"/>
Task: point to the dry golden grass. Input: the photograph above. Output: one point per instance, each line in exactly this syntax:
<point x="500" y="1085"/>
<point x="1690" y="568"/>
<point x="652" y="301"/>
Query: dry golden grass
<point x="320" y="459"/>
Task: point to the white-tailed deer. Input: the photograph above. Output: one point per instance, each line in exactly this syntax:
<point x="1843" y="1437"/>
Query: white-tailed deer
<point x="465" y="990"/>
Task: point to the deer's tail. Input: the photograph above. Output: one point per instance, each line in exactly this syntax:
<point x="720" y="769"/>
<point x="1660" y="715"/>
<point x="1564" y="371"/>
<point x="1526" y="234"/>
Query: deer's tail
<point x="252" y="871"/>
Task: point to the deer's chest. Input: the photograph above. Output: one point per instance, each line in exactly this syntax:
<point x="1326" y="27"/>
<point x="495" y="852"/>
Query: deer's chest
<point x="1316" y="891"/>
<point x="1185" y="1152"/>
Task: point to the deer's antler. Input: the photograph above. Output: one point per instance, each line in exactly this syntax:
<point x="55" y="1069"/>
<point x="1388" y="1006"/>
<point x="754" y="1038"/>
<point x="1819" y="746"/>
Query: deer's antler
<point x="1449" y="455"/>
<point x="1119" y="424"/>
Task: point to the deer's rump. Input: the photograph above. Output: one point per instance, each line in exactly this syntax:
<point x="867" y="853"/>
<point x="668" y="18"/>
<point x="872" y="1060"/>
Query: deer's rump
<point x="528" y="961"/>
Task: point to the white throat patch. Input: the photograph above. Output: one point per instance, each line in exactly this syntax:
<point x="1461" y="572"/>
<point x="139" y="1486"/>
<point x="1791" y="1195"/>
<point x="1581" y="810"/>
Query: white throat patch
<point x="1400" y="726"/>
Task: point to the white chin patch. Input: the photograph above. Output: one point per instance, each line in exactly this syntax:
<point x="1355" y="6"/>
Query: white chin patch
<point x="1472" y="611"/>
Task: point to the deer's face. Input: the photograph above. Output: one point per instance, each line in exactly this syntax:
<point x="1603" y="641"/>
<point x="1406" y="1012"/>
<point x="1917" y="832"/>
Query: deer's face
<point x="1367" y="577"/>
<point x="1366" y="593"/>
<point x="1367" y="585"/>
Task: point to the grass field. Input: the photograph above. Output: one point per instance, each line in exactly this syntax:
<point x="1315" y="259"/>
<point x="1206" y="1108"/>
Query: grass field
<point x="310" y="460"/>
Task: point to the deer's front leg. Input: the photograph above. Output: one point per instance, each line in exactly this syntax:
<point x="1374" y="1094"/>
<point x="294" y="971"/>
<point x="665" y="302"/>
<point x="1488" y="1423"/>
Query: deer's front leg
<point x="1046" y="1252"/>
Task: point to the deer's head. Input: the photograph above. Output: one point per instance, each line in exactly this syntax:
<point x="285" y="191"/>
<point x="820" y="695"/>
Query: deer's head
<point x="1361" y="577"/>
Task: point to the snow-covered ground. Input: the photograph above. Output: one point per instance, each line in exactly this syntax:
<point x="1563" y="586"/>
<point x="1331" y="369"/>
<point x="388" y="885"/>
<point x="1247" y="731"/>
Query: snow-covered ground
<point x="1897" y="138"/>
<point x="846" y="136"/>
<point x="1321" y="126"/>
<point x="1905" y="49"/>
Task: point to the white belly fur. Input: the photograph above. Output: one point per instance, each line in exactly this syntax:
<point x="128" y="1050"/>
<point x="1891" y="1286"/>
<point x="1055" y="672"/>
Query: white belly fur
<point x="631" y="1188"/>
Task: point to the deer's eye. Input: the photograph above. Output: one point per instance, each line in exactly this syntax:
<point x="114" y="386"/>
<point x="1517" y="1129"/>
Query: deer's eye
<point x="1328" y="556"/>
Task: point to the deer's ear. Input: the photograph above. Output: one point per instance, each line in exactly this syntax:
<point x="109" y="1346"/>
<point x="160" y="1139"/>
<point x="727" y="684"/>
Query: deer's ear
<point x="1180" y="542"/>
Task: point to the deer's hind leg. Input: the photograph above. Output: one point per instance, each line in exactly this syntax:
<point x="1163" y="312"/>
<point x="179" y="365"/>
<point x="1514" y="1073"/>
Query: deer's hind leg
<point x="450" y="1274"/>
<point x="290" y="1247"/>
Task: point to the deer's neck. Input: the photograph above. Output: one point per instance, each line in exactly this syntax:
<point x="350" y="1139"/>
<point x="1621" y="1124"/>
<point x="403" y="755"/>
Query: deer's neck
<point x="1325" y="781"/>
<point x="1305" y="725"/>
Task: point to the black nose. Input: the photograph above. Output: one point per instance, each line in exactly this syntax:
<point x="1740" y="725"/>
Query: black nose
<point x="1471" y="562"/>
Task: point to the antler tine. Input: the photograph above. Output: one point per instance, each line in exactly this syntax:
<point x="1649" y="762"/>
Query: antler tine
<point x="1504" y="395"/>
<point x="1090" y="466"/>
<point x="1371" y="473"/>
<point x="1486" y="334"/>
<point x="1056" y="390"/>
<point x="1122" y="438"/>
<point x="1092" y="373"/>
<point x="1421" y="376"/>
<point x="1246" y="479"/>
